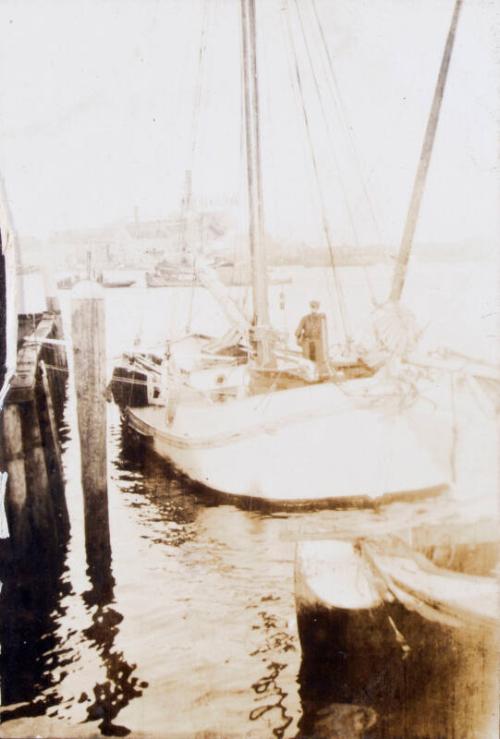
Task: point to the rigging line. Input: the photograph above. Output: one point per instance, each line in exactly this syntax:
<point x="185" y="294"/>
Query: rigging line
<point x="325" y="225"/>
<point x="244" y="295"/>
<point x="326" y="120"/>
<point x="293" y="82"/>
<point x="201" y="55"/>
<point x="330" y="134"/>
<point x="335" y="94"/>
<point x="210" y="19"/>
<point x="195" y="122"/>
<point x="338" y="103"/>
<point x="269" y="124"/>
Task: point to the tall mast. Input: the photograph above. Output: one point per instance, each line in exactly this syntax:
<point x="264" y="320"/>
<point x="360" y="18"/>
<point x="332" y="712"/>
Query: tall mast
<point x="423" y="166"/>
<point x="254" y="184"/>
<point x="186" y="212"/>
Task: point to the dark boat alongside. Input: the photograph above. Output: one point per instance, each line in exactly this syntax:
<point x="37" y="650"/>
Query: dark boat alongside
<point x="383" y="625"/>
<point x="136" y="380"/>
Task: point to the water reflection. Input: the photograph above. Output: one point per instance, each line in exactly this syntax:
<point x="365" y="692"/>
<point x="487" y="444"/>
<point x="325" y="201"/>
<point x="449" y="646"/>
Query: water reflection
<point x="39" y="652"/>
<point x="270" y="695"/>
<point x="30" y="607"/>
<point x="121" y="686"/>
<point x="153" y="484"/>
<point x="217" y="640"/>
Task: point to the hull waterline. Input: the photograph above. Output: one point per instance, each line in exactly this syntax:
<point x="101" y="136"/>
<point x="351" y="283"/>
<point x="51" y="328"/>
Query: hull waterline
<point x="291" y="448"/>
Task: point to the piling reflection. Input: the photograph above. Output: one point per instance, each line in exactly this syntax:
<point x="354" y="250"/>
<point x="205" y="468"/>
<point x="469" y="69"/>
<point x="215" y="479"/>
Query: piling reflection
<point x="110" y="696"/>
<point x="38" y="651"/>
<point x="33" y="586"/>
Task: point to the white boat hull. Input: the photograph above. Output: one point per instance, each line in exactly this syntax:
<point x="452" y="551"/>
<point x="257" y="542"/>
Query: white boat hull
<point x="294" y="446"/>
<point x="343" y="575"/>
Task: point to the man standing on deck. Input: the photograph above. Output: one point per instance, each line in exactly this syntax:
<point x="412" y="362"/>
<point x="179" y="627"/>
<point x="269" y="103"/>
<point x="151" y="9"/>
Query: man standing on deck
<point x="311" y="335"/>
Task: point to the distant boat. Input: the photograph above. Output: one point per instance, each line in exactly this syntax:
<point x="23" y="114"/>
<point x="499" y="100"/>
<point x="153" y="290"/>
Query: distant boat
<point x="67" y="282"/>
<point x="118" y="283"/>
<point x="115" y="279"/>
<point x="172" y="273"/>
<point x="106" y="279"/>
<point x="234" y="274"/>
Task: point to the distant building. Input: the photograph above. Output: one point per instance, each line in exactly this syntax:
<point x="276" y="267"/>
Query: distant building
<point x="137" y="244"/>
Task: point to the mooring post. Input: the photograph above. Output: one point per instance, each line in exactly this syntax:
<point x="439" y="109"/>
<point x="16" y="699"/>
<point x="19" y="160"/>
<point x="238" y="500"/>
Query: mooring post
<point x="89" y="355"/>
<point x="55" y="353"/>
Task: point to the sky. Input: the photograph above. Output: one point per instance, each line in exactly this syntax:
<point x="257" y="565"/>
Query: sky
<point x="105" y="104"/>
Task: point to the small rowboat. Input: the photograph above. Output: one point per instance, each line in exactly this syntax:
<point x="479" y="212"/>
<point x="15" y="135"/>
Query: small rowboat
<point x="382" y="624"/>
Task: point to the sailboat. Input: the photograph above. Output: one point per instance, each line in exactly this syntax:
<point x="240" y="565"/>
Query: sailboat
<point x="247" y="417"/>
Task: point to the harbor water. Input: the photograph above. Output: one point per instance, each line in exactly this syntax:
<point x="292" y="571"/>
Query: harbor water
<point x="192" y="630"/>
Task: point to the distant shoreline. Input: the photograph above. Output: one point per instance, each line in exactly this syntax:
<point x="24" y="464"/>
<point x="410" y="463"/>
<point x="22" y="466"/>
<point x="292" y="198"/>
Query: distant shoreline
<point x="363" y="259"/>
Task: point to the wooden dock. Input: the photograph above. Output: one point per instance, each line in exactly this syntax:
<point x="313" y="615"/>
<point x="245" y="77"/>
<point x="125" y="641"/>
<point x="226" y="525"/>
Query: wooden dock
<point x="35" y="505"/>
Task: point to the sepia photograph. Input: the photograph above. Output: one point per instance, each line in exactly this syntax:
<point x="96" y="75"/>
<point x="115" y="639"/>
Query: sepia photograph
<point x="249" y="369"/>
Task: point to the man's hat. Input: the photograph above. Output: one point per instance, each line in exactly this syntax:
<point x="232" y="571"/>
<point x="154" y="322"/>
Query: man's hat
<point x="314" y="304"/>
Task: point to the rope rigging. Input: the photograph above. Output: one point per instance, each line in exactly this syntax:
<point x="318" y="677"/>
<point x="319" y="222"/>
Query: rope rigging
<point x="332" y="139"/>
<point x="187" y="199"/>
<point x="335" y="94"/>
<point x="337" y="103"/>
<point x="324" y="219"/>
<point x="326" y="119"/>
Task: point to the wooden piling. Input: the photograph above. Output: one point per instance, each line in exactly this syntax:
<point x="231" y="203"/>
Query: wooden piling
<point x="16" y="497"/>
<point x="55" y="354"/>
<point x="53" y="306"/>
<point x="53" y="460"/>
<point x="89" y="356"/>
<point x="54" y="358"/>
<point x="39" y="500"/>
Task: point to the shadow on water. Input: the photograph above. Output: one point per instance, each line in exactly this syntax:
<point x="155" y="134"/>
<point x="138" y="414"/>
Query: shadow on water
<point x="35" y="653"/>
<point x="33" y="588"/>
<point x="30" y="607"/>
